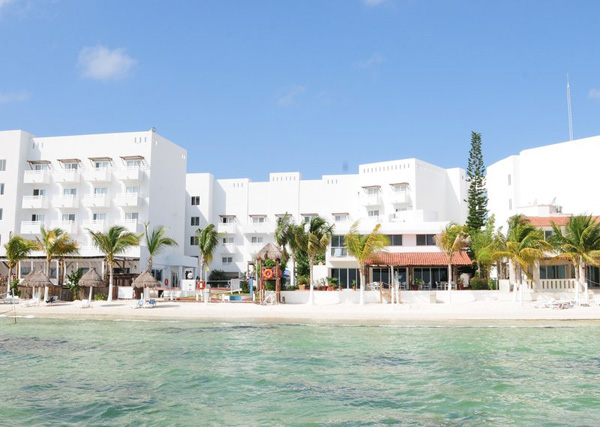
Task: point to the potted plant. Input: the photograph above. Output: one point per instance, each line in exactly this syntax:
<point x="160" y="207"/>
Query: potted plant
<point x="418" y="283"/>
<point x="331" y="283"/>
<point x="353" y="285"/>
<point x="302" y="282"/>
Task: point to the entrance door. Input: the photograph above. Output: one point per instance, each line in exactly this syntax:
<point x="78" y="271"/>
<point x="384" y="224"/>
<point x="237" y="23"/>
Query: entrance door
<point x="400" y="276"/>
<point x="593" y="277"/>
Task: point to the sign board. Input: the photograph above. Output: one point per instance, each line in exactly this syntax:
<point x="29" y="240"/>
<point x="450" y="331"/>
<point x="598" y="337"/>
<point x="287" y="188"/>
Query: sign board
<point x="188" y="285"/>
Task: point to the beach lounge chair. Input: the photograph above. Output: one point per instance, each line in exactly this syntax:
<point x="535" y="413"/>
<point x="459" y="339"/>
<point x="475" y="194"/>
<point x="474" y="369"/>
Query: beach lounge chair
<point x="139" y="304"/>
<point x="149" y="304"/>
<point x="12" y="300"/>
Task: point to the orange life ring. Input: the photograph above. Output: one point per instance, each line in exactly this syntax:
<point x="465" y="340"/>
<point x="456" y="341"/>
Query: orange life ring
<point x="166" y="282"/>
<point x="200" y="284"/>
<point x="268" y="273"/>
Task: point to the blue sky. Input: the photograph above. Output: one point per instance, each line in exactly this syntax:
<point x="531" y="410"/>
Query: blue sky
<point x="249" y="87"/>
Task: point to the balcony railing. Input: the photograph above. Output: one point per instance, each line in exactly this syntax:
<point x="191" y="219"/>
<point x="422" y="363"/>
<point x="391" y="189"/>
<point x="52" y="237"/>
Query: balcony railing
<point x="132" y="225"/>
<point x="229" y="227"/>
<point x="339" y="252"/>
<point x="371" y="199"/>
<point x="34" y="202"/>
<point x="68" y="226"/>
<point x="96" y="201"/>
<point x="400" y="198"/>
<point x="130" y="173"/>
<point x="98" y="174"/>
<point x="36" y="177"/>
<point x="31" y="227"/>
<point x="95" y="225"/>
<point x="72" y="175"/>
<point x="65" y="201"/>
<point x="127" y="199"/>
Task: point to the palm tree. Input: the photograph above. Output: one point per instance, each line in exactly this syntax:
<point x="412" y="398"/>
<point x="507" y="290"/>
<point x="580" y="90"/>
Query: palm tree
<point x="156" y="242"/>
<point x="579" y="243"/>
<point x="55" y="243"/>
<point x="285" y="236"/>
<point x="524" y="244"/>
<point x="313" y="238"/>
<point x="362" y="248"/>
<point x="115" y="242"/>
<point x="451" y="240"/>
<point x="208" y="240"/>
<point x="17" y="249"/>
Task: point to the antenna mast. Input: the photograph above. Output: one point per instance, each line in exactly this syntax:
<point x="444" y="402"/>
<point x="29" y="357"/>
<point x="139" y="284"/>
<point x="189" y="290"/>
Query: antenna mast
<point x="569" y="109"/>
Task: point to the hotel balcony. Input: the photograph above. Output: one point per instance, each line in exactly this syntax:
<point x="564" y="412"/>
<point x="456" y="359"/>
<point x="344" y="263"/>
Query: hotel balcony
<point x="65" y="201"/>
<point x="258" y="228"/>
<point x="339" y="252"/>
<point x="131" y="173"/>
<point x="34" y="202"/>
<point x="128" y="199"/>
<point x="227" y="248"/>
<point x="400" y="198"/>
<point x="132" y="225"/>
<point x="31" y="227"/>
<point x="98" y="225"/>
<point x="96" y="201"/>
<point x="66" y="176"/>
<point x="371" y="199"/>
<point x="97" y="175"/>
<point x="69" y="226"/>
<point x="226" y="228"/>
<point x="36" y="177"/>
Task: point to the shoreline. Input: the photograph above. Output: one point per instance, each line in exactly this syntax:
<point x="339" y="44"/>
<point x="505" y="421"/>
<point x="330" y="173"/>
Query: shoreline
<point x="478" y="311"/>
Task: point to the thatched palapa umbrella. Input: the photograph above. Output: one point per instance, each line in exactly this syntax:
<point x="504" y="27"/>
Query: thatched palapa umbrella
<point x="91" y="279"/>
<point x="145" y="280"/>
<point x="36" y="279"/>
<point x="272" y="252"/>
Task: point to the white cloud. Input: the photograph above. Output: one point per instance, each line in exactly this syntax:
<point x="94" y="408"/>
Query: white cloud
<point x="10" y="97"/>
<point x="375" y="59"/>
<point x="373" y="2"/>
<point x="101" y="63"/>
<point x="594" y="94"/>
<point x="288" y="96"/>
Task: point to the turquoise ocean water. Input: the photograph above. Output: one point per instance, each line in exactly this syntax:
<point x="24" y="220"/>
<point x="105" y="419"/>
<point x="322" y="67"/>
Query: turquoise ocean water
<point x="69" y="372"/>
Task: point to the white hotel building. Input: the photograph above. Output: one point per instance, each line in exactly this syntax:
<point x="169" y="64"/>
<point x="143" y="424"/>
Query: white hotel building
<point x="95" y="181"/>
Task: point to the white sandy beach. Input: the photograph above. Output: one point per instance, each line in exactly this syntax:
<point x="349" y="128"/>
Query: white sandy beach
<point x="477" y="310"/>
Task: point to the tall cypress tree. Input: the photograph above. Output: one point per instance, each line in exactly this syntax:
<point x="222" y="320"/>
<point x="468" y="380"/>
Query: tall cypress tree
<point x="478" y="199"/>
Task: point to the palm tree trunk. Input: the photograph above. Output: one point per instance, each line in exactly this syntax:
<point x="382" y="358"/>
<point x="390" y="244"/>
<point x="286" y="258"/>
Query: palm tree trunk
<point x="311" y="293"/>
<point x="150" y="263"/>
<point x="110" y="282"/>
<point x="521" y="288"/>
<point x="583" y="280"/>
<point x="293" y="275"/>
<point x="361" y="300"/>
<point x="48" y="272"/>
<point x="517" y="279"/>
<point x="449" y="282"/>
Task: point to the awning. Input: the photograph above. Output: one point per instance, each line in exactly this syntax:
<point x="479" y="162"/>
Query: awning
<point x="69" y="160"/>
<point x="257" y="215"/>
<point x="371" y="186"/>
<point x="400" y="184"/>
<point x="100" y="159"/>
<point x="340" y="213"/>
<point x="418" y="259"/>
<point x="39" y="162"/>
<point x="132" y="158"/>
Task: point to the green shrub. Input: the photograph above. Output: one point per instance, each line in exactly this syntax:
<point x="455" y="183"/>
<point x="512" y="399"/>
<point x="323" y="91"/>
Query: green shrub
<point x="303" y="280"/>
<point x="245" y="286"/>
<point x="100" y="297"/>
<point x="14" y="288"/>
<point x="478" y="283"/>
<point x="493" y="284"/>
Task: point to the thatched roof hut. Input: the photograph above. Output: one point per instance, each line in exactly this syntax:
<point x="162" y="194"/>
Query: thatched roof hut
<point x="91" y="279"/>
<point x="270" y="251"/>
<point x="145" y="280"/>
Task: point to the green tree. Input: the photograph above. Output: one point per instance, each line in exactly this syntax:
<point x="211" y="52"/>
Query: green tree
<point x="208" y="240"/>
<point x="453" y="239"/>
<point x="156" y="242"/>
<point x="17" y="249"/>
<point x="313" y="240"/>
<point x="524" y="244"/>
<point x="115" y="242"/>
<point x="483" y="244"/>
<point x="285" y="236"/>
<point x="580" y="243"/>
<point x="478" y="198"/>
<point x="73" y="281"/>
<point x="363" y="247"/>
<point x="55" y="243"/>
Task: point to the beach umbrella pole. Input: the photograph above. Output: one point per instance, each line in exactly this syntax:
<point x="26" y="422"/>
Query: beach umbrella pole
<point x="90" y="297"/>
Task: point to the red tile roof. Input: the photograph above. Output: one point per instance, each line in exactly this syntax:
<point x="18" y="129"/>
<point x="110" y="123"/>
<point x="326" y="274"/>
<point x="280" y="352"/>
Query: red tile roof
<point x="418" y="258"/>
<point x="546" y="221"/>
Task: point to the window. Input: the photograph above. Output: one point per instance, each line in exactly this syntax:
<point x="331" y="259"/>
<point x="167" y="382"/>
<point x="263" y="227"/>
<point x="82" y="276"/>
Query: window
<point x="395" y="239"/>
<point x="195" y="221"/>
<point x="40" y="167"/>
<point x="258" y="219"/>
<point x="307" y="218"/>
<point x="131" y="216"/>
<point x="1" y="214"/>
<point x="425" y="239"/>
<point x="195" y="200"/>
<point x="1" y="189"/>
<point x="340" y="217"/>
<point x="38" y="218"/>
<point x="227" y="240"/>
<point x="432" y="276"/>
<point x="39" y="192"/>
<point x="227" y="219"/>
<point x="548" y="234"/>
<point x="69" y="191"/>
<point x="347" y="277"/>
<point x="101" y="164"/>
<point x="2" y="165"/>
<point x="510" y="204"/>
<point x="373" y="214"/>
<point x="226" y="260"/>
<point x="132" y="190"/>
<point x="256" y="239"/>
<point x="70" y="166"/>
<point x="100" y="190"/>
<point x="68" y="217"/>
<point x="134" y="163"/>
<point x="509" y="179"/>
<point x="372" y="190"/>
<point x="194" y="240"/>
<point x="556" y="272"/>
<point x="99" y="217"/>
<point x="338" y="248"/>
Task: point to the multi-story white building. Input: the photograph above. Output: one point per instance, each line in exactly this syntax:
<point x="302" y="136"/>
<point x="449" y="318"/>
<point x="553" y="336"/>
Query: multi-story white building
<point x="413" y="200"/>
<point x="93" y="182"/>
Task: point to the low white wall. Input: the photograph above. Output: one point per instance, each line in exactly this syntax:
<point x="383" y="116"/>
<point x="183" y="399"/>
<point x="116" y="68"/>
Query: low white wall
<point x="409" y="297"/>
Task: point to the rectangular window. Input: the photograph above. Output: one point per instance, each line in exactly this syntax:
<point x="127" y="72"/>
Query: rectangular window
<point x="132" y="190"/>
<point x="132" y="216"/>
<point x="340" y="218"/>
<point x="100" y="190"/>
<point x="38" y="218"/>
<point x="195" y="221"/>
<point x="509" y="179"/>
<point x="425" y="239"/>
<point x="338" y="248"/>
<point x="194" y="240"/>
<point x="395" y="239"/>
<point x="68" y="217"/>
<point x="101" y="165"/>
<point x="134" y="163"/>
<point x="40" y="167"/>
<point x="71" y="166"/>
<point x="39" y="192"/>
<point x="99" y="217"/>
<point x="69" y="191"/>
<point x="227" y="219"/>
<point x="2" y="165"/>
<point x="373" y="214"/>
<point x="307" y="218"/>
<point x="256" y="239"/>
<point x="347" y="277"/>
<point x="195" y="200"/>
<point x="548" y="234"/>
<point x="258" y="219"/>
<point x="1" y="189"/>
<point x="226" y="260"/>
<point x="227" y="240"/>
